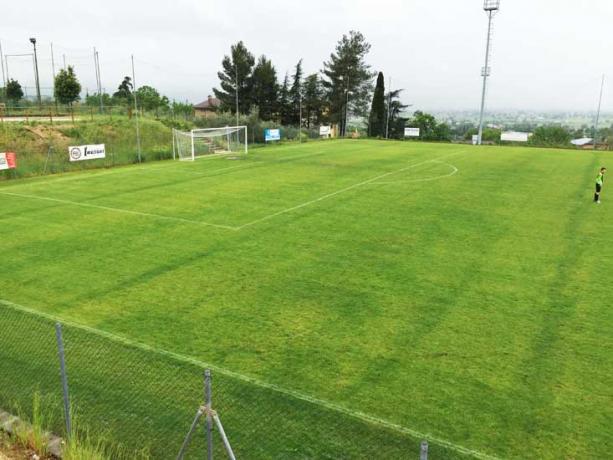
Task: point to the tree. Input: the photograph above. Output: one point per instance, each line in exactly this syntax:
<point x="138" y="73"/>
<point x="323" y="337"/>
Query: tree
<point x="67" y="86"/>
<point x="14" y="92"/>
<point x="236" y="68"/>
<point x="429" y="129"/>
<point x="149" y="99"/>
<point x="313" y="102"/>
<point x="285" y="107"/>
<point x="295" y="95"/>
<point x="346" y="74"/>
<point x="550" y="136"/>
<point x="396" y="108"/>
<point x="93" y="100"/>
<point x="124" y="91"/>
<point x="265" y="88"/>
<point x="377" y="118"/>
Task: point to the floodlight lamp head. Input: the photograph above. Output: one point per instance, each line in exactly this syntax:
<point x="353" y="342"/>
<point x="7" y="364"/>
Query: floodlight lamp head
<point x="33" y="41"/>
<point x="491" y="5"/>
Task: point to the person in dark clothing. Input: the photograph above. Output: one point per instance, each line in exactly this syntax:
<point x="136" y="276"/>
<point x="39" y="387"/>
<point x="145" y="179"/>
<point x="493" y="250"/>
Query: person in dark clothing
<point x="599" y="184"/>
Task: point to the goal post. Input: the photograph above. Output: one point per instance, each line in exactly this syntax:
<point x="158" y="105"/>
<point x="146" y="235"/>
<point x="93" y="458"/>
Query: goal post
<point x="206" y="142"/>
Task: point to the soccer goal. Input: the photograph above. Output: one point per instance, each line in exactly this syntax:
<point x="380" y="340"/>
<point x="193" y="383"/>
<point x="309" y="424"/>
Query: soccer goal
<point x="199" y="143"/>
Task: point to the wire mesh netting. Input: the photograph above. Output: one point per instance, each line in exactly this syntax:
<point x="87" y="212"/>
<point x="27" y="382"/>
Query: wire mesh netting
<point x="145" y="400"/>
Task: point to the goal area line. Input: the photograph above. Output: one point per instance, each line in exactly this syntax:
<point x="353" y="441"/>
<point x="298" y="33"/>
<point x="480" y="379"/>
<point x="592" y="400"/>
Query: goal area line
<point x="358" y="415"/>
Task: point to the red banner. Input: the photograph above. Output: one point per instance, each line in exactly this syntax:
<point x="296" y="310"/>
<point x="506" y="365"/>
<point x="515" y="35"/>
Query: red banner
<point x="11" y="160"/>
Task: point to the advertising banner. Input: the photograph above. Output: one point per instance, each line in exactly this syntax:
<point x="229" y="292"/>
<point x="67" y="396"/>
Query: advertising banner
<point x="8" y="160"/>
<point x="86" y="152"/>
<point x="272" y="135"/>
<point x="411" y="132"/>
<point x="325" y="131"/>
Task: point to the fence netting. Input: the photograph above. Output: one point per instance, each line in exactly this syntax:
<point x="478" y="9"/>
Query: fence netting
<point x="145" y="400"/>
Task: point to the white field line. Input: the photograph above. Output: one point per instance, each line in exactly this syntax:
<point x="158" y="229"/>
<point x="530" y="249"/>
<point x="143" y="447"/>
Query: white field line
<point x="119" y="210"/>
<point x="454" y="171"/>
<point x="343" y="190"/>
<point x="269" y="386"/>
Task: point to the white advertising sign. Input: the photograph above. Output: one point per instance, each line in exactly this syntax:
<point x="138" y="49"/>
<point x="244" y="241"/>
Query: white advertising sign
<point x="411" y="132"/>
<point x="86" y="152"/>
<point x="475" y="139"/>
<point x="325" y="131"/>
<point x="514" y="136"/>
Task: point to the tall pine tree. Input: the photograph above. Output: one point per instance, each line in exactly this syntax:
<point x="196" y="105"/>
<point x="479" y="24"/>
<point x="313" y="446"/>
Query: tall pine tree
<point x="285" y="105"/>
<point x="376" y="120"/>
<point x="265" y="88"/>
<point x="348" y="77"/>
<point x="312" y="101"/>
<point x="237" y="68"/>
<point x="295" y="95"/>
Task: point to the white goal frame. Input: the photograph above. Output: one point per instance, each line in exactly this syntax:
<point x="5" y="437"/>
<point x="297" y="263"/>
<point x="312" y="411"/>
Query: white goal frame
<point x="202" y="133"/>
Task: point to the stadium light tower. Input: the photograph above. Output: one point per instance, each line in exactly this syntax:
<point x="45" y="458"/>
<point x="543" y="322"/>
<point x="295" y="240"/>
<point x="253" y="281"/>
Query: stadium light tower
<point x="33" y="41"/>
<point x="491" y="7"/>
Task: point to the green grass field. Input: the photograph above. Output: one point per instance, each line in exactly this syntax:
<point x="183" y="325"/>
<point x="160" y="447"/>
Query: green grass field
<point x="453" y="290"/>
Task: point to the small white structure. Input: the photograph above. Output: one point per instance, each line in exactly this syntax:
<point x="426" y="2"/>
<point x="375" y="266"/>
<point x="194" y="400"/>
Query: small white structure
<point x="411" y="132"/>
<point x="582" y="142"/>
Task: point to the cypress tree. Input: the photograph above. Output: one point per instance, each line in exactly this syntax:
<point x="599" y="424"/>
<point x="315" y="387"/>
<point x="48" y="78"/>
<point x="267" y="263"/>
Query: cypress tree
<point x="376" y="120"/>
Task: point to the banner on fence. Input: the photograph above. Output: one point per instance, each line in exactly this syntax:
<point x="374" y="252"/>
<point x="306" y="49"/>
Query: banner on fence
<point x="325" y="131"/>
<point x="8" y="160"/>
<point x="272" y="135"/>
<point x="411" y="132"/>
<point x="86" y="152"/>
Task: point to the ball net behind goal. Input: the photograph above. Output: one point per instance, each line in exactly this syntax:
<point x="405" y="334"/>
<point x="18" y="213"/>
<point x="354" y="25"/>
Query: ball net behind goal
<point x="200" y="143"/>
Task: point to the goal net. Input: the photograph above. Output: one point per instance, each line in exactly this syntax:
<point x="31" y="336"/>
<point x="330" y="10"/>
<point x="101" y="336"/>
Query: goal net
<point x="199" y="143"/>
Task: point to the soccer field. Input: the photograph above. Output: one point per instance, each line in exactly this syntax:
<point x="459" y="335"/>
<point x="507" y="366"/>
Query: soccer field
<point x="457" y="291"/>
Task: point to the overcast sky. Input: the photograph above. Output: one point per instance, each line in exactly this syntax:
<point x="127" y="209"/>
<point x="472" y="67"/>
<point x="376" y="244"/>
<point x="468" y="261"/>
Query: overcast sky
<point x="547" y="54"/>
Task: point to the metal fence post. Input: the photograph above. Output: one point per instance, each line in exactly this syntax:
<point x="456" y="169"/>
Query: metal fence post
<point x="60" y="351"/>
<point x="423" y="452"/>
<point x="209" y="421"/>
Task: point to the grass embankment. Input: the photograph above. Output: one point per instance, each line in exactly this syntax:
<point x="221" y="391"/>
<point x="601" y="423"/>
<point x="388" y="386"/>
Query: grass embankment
<point x="42" y="148"/>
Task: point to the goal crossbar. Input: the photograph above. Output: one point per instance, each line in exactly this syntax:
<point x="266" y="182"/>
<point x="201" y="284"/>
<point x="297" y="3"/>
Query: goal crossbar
<point x="206" y="142"/>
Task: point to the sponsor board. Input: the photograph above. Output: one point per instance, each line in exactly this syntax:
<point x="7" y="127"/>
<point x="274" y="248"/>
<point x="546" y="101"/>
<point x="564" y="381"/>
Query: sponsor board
<point x="8" y="160"/>
<point x="411" y="132"/>
<point x="86" y="152"/>
<point x="514" y="136"/>
<point x="272" y="135"/>
<point x="475" y="139"/>
<point x="325" y="131"/>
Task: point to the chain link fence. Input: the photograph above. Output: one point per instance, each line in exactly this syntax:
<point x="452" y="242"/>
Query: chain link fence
<point x="144" y="400"/>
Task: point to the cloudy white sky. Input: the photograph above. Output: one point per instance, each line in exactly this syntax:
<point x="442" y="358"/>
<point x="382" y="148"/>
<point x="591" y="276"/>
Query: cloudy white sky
<point x="548" y="54"/>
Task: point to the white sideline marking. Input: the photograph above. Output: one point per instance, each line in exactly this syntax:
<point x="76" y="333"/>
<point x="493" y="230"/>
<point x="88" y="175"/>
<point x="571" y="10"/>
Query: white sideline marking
<point x="343" y="190"/>
<point x="454" y="171"/>
<point x="120" y="210"/>
<point x="270" y="386"/>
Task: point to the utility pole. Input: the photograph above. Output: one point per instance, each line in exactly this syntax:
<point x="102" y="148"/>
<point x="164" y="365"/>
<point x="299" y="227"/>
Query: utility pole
<point x="136" y="111"/>
<point x="346" y="109"/>
<point x="53" y="73"/>
<point x="598" y="112"/>
<point x="491" y="7"/>
<point x="3" y="75"/>
<point x="40" y="102"/>
<point x="389" y="108"/>
<point x="64" y="59"/>
<point x="236" y="92"/>
<point x="98" y="79"/>
<point x="300" y="125"/>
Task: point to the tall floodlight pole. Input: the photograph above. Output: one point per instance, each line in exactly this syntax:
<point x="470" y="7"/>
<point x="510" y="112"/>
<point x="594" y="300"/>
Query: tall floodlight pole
<point x="598" y="112"/>
<point x="40" y="102"/>
<point x="136" y="111"/>
<point x="491" y="7"/>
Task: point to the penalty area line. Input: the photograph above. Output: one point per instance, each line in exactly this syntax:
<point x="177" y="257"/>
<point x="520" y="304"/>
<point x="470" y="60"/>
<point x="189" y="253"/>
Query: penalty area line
<point x="417" y="435"/>
<point x="346" y="189"/>
<point x="118" y="210"/>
